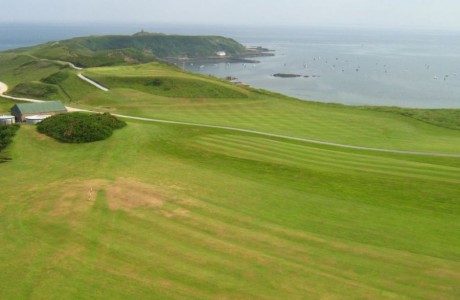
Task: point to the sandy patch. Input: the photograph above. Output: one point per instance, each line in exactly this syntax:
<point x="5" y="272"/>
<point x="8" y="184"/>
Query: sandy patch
<point x="76" y="196"/>
<point x="128" y="194"/>
<point x="122" y="194"/>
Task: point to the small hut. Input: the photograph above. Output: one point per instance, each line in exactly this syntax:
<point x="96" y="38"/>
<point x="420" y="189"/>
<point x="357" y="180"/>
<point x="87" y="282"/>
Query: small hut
<point x="48" y="108"/>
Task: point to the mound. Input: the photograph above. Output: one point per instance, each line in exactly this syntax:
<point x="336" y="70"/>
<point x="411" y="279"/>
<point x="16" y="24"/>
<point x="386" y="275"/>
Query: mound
<point x="80" y="127"/>
<point x="35" y="90"/>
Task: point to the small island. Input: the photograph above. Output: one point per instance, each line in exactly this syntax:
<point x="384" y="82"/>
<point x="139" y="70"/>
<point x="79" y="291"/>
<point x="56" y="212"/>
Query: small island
<point x="286" y="75"/>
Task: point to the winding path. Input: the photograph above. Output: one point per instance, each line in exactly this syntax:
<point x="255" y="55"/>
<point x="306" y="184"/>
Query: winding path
<point x="4" y="88"/>
<point x="83" y="77"/>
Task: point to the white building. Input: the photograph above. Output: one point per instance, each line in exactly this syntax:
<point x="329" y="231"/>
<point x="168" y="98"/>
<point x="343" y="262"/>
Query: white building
<point x="6" y="120"/>
<point x="36" y="119"/>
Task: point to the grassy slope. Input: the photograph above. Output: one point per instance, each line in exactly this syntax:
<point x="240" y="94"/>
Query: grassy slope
<point x="141" y="48"/>
<point x="448" y="118"/>
<point x="253" y="110"/>
<point x="239" y="107"/>
<point x="272" y="113"/>
<point x="274" y="219"/>
<point x="5" y="106"/>
<point x="184" y="212"/>
<point x="15" y="69"/>
<point x="24" y="73"/>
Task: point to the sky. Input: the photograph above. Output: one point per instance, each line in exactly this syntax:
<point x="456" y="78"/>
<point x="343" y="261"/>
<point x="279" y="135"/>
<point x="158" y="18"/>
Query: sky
<point x="395" y="14"/>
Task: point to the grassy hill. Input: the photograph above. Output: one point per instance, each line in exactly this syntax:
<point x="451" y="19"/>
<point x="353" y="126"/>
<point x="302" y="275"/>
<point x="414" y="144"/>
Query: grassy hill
<point x="139" y="48"/>
<point x="184" y="212"/>
<point x="160" y="91"/>
<point x="162" y="211"/>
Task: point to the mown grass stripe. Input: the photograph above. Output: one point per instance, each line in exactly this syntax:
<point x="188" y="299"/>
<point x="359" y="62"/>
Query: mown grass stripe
<point x="301" y="149"/>
<point x="200" y="234"/>
<point x="304" y="149"/>
<point x="292" y="157"/>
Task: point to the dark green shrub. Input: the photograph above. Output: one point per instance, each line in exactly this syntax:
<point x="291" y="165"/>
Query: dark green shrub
<point x="80" y="127"/>
<point x="109" y="120"/>
<point x="35" y="89"/>
<point x="7" y="133"/>
<point x="56" y="78"/>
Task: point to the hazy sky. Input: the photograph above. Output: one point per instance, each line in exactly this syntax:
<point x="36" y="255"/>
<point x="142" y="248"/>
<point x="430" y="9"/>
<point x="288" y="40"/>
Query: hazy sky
<point x="407" y="14"/>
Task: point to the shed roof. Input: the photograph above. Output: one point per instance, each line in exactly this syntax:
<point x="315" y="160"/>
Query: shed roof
<point x="41" y="107"/>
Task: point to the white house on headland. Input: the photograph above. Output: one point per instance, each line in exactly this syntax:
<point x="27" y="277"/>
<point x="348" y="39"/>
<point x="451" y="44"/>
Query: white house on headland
<point x="221" y="53"/>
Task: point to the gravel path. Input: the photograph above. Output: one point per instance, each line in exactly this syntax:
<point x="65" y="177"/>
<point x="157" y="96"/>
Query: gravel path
<point x="93" y="82"/>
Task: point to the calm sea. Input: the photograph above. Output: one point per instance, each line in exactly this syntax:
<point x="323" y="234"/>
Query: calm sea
<point x="349" y="66"/>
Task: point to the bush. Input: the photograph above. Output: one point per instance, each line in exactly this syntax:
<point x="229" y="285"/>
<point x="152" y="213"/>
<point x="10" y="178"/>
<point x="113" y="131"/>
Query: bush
<point x="56" y="78"/>
<point x="7" y="133"/>
<point x="80" y="127"/>
<point x="35" y="89"/>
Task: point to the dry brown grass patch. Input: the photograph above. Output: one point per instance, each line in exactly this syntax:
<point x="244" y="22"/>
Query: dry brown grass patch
<point x="76" y="196"/>
<point x="127" y="194"/>
<point x="179" y="212"/>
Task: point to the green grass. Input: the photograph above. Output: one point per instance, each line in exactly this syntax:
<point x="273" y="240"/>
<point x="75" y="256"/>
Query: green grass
<point x="33" y="78"/>
<point x="5" y="106"/>
<point x="139" y="48"/>
<point x="162" y="211"/>
<point x="183" y="212"/>
<point x="176" y="98"/>
<point x="448" y="118"/>
<point x="171" y="87"/>
<point x="15" y="69"/>
<point x="36" y="90"/>
<point x="263" y="111"/>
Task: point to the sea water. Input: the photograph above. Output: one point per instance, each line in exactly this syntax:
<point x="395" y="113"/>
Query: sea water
<point x="356" y="67"/>
<point x="349" y="66"/>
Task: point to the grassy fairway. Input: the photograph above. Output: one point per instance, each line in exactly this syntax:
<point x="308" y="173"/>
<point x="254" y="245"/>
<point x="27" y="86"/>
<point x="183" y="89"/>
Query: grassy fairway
<point x="163" y="211"/>
<point x="160" y="91"/>
<point x="267" y="112"/>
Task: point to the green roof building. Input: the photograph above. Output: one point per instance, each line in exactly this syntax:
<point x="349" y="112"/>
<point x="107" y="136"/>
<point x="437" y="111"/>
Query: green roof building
<point x="22" y="110"/>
